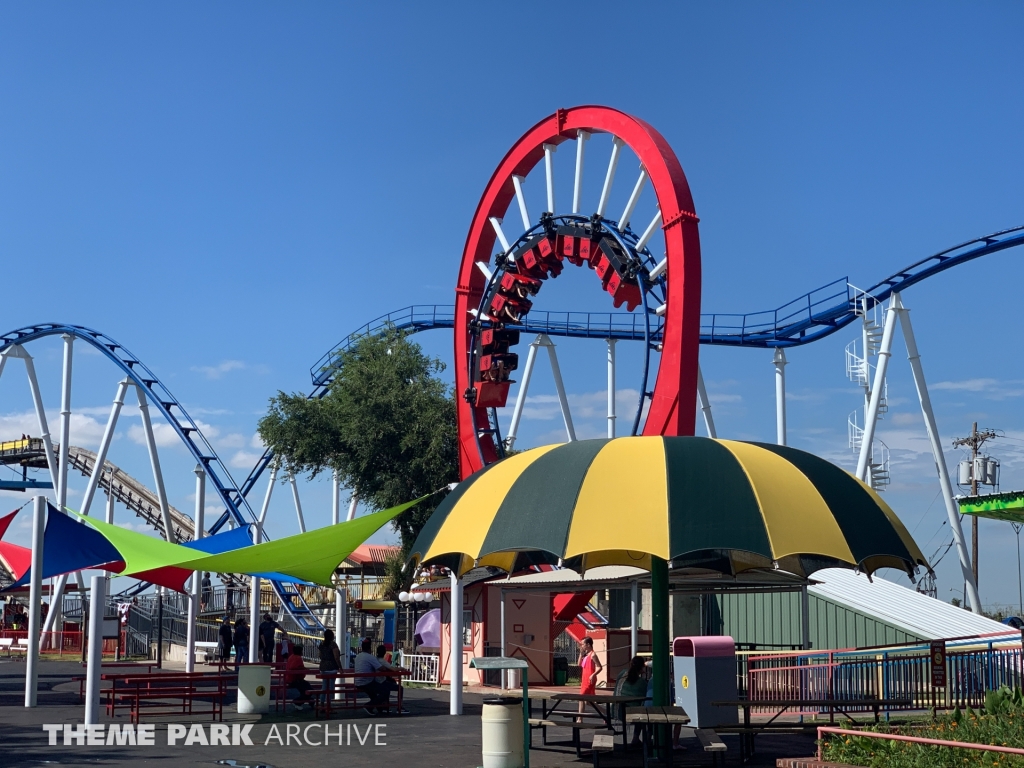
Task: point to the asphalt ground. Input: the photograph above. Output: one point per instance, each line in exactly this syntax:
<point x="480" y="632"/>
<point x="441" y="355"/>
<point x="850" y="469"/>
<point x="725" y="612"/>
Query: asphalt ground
<point x="427" y="737"/>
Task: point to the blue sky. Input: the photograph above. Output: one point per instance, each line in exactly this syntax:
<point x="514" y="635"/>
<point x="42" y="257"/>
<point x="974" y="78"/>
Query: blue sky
<point x="230" y="189"/>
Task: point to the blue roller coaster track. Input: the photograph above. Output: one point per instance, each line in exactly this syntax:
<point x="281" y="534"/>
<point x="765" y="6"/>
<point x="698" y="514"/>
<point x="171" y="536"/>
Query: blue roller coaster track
<point x="810" y="317"/>
<point x="237" y="508"/>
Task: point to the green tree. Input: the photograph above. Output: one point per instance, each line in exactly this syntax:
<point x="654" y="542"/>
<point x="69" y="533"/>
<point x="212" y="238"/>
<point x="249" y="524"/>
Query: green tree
<point x="386" y="425"/>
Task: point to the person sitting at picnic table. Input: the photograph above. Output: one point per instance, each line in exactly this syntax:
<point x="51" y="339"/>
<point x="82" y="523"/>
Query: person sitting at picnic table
<point x="590" y="668"/>
<point x="226" y="639"/>
<point x="366" y="664"/>
<point x="295" y="677"/>
<point x="267" y="627"/>
<point x="632" y="681"/>
<point x="330" y="659"/>
<point x="387" y="683"/>
<point x="241" y="642"/>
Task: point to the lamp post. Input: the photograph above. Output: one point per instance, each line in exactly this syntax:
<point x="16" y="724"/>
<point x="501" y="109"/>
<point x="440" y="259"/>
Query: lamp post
<point x="414" y="598"/>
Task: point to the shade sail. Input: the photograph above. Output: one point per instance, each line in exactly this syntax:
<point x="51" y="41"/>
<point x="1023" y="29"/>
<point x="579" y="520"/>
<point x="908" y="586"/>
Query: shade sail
<point x="720" y="505"/>
<point x="1008" y="507"/>
<point x="6" y="521"/>
<point x="312" y="556"/>
<point x="16" y="559"/>
<point x="68" y="547"/>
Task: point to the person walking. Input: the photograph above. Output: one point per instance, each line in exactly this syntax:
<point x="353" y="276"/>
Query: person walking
<point x="267" y="627"/>
<point x="590" y="668"/>
<point x="226" y="640"/>
<point x="241" y="642"/>
<point x="206" y="592"/>
<point x="330" y="660"/>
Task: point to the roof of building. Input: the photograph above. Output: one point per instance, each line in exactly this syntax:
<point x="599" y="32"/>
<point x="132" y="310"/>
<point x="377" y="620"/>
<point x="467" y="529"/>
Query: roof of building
<point x="917" y="614"/>
<point x="369" y="555"/>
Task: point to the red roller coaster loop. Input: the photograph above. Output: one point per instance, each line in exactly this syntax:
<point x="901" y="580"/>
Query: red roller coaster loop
<point x="673" y="399"/>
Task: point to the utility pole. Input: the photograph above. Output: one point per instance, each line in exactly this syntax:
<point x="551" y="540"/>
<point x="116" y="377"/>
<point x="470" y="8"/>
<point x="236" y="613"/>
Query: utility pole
<point x="974" y="441"/>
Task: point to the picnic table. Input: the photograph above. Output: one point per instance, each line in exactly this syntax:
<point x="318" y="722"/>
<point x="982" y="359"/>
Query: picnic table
<point x="157" y="691"/>
<point x="570" y="719"/>
<point x="749" y="730"/>
<point x="350" y="690"/>
<point x="649" y="716"/>
<point x="80" y="679"/>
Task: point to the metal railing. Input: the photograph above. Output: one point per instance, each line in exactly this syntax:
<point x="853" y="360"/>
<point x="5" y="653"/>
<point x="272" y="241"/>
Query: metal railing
<point x="424" y="667"/>
<point x="894" y="674"/>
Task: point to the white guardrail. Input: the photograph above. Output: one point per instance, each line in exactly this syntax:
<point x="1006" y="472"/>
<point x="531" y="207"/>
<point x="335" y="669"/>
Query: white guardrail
<point x="424" y="667"/>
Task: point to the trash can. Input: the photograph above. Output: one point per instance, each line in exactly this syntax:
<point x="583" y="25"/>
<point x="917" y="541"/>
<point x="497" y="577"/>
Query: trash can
<point x="561" y="670"/>
<point x="502" y="720"/>
<point x="705" y="671"/>
<point x="253" y="689"/>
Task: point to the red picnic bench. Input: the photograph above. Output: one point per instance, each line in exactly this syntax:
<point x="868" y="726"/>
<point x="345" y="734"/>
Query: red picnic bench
<point x="350" y="690"/>
<point x="168" y="693"/>
<point x="80" y="679"/>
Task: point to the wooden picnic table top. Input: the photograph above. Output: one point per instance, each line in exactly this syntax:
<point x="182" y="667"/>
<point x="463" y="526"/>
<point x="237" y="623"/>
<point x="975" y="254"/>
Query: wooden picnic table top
<point x="657" y="715"/>
<point x="597" y="698"/>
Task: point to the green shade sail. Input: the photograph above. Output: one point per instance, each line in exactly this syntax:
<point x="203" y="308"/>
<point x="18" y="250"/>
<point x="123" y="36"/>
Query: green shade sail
<point x="1008" y="507"/>
<point x="311" y="556"/>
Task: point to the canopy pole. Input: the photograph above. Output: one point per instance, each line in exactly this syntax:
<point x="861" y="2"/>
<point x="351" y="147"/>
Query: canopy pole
<point x="35" y="601"/>
<point x="95" y="662"/>
<point x="805" y="617"/>
<point x="197" y="576"/>
<point x="659" y="630"/>
<point x="634" y="613"/>
<point x="254" y="581"/>
<point x="455" y="648"/>
<point x="504" y="672"/>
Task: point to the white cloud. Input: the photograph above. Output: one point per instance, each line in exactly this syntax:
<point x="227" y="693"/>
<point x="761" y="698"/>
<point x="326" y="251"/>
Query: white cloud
<point x="244" y="460"/>
<point x="257" y="442"/>
<point x="219" y="370"/>
<point x="165" y="436"/>
<point x="992" y="389"/>
<point x="233" y="440"/>
<point x="85" y="430"/>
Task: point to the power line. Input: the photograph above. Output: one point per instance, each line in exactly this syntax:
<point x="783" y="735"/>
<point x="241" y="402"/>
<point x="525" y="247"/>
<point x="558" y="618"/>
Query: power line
<point x="974" y="441"/>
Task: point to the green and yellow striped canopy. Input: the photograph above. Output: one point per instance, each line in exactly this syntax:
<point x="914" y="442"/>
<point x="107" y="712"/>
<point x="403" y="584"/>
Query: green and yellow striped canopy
<point x="718" y="505"/>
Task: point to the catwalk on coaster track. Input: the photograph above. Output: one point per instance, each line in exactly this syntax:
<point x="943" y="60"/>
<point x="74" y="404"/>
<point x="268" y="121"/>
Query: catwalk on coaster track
<point x="498" y="278"/>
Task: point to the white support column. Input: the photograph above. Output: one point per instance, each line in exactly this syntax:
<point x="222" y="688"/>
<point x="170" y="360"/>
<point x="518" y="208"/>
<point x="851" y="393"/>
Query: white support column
<point x="582" y="137"/>
<point x="56" y="608"/>
<point x="197" y="576"/>
<point x="101" y="453"/>
<point x="563" y="401"/>
<point x="109" y="517"/>
<point x="524" y="386"/>
<point x="18" y="351"/>
<point x="952" y="510"/>
<point x="254" y="581"/>
<point x="609" y="177"/>
<point x="517" y="182"/>
<point x="97" y="607"/>
<point x="634" y="619"/>
<point x="352" y="504"/>
<point x="154" y="460"/>
<point x="65" y="423"/>
<point x="627" y="212"/>
<point x="549" y="178"/>
<point x="35" y="600"/>
<point x="611" y="387"/>
<point x="501" y="628"/>
<point x="455" y="648"/>
<point x="298" y="504"/>
<point x="877" y="387"/>
<point x="705" y="405"/>
<point x="57" y="595"/>
<point x="340" y="597"/>
<point x="780" y="395"/>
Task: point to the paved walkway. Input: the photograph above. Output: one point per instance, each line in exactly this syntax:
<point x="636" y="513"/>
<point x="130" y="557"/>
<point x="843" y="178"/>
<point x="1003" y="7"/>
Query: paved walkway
<point x="428" y="737"/>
